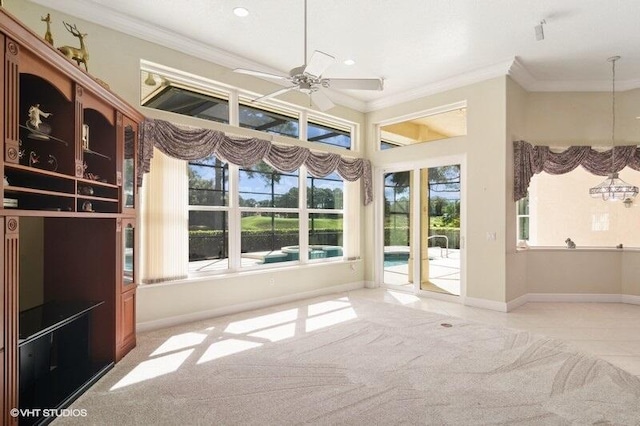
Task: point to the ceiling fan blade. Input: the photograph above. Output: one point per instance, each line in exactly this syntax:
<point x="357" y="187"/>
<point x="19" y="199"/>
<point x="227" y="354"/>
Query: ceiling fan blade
<point x="321" y="100"/>
<point x="274" y="94"/>
<point x="318" y="63"/>
<point x="261" y="74"/>
<point x="354" y="83"/>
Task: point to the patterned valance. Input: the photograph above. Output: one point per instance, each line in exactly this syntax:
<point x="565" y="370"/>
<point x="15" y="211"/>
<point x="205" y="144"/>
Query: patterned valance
<point x="529" y="160"/>
<point x="190" y="143"/>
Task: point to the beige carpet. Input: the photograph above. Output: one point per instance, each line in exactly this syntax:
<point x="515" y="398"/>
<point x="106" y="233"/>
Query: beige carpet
<point x="342" y="361"/>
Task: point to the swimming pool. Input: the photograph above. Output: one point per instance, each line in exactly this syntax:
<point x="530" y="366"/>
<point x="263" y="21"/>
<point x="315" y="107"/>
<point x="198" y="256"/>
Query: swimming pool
<point x="395" y="259"/>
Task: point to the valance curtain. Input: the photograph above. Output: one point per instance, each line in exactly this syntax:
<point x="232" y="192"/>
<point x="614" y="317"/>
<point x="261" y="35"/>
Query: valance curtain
<point x="190" y="143"/>
<point x="529" y="160"/>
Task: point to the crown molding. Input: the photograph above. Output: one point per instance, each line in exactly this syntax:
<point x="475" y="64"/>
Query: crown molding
<point x="531" y="84"/>
<point x="475" y="76"/>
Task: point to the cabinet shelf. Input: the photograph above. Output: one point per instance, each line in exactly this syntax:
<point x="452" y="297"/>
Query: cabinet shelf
<point x="94" y="198"/>
<point x="36" y="171"/>
<point x="48" y="137"/>
<point x="15" y="189"/>
<point x="89" y="151"/>
<point x="96" y="182"/>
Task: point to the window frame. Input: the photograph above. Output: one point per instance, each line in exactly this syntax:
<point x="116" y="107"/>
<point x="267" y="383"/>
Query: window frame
<point x="234" y="98"/>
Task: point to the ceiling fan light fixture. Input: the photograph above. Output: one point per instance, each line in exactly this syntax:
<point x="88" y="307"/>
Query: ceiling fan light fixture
<point x="241" y="11"/>
<point x="308" y="78"/>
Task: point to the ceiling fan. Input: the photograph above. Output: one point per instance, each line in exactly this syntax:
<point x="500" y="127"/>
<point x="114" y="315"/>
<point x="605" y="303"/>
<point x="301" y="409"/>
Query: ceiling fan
<point x="308" y="78"/>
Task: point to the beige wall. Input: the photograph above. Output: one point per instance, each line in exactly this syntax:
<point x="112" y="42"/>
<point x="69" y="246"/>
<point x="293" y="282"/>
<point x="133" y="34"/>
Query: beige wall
<point x="485" y="150"/>
<point x="568" y="118"/>
<point x="115" y="59"/>
<point x="516" y="266"/>
<point x="574" y="271"/>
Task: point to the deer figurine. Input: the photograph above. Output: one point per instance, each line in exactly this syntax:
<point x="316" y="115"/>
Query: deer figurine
<point x="47" y="36"/>
<point x="80" y="55"/>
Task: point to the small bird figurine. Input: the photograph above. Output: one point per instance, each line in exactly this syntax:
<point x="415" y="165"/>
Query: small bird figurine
<point x="570" y="244"/>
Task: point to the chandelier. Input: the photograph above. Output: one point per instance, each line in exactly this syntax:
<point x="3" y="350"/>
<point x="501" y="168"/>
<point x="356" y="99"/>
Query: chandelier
<point x="614" y="188"/>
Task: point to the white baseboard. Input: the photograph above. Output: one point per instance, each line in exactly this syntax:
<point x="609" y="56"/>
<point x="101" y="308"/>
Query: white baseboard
<point x="551" y="298"/>
<point x="631" y="299"/>
<point x="241" y="307"/>
<point x="519" y="301"/>
<point x="485" y="304"/>
<point x="370" y="284"/>
<point x="574" y="297"/>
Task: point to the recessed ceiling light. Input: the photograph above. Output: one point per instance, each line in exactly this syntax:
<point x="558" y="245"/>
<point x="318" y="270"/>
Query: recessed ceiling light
<point x="241" y="12"/>
<point x="349" y="62"/>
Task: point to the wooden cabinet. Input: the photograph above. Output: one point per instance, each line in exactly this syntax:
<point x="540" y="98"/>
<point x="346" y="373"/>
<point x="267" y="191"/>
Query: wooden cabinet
<point x="68" y="221"/>
<point x="126" y="292"/>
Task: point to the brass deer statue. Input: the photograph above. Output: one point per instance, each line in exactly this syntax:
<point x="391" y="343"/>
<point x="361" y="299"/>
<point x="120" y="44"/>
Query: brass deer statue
<point x="47" y="36"/>
<point x="80" y="55"/>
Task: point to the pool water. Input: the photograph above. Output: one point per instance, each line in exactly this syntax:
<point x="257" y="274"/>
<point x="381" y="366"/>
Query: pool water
<point x="394" y="262"/>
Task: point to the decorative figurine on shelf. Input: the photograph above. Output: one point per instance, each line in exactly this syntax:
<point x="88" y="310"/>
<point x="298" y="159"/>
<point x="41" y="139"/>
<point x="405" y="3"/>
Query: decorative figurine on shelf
<point x="39" y="129"/>
<point x="619" y="246"/>
<point x="47" y="36"/>
<point x="33" y="159"/>
<point x="85" y="190"/>
<point x="53" y="163"/>
<point x="6" y="181"/>
<point x="88" y="175"/>
<point x="570" y="244"/>
<point x="80" y="55"/>
<point x="87" y="206"/>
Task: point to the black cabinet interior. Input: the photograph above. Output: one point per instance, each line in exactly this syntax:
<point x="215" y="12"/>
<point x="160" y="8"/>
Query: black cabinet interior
<point x="56" y="361"/>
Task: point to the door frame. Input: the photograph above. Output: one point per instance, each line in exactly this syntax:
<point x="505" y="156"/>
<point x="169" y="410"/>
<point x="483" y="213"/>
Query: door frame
<point x="415" y="217"/>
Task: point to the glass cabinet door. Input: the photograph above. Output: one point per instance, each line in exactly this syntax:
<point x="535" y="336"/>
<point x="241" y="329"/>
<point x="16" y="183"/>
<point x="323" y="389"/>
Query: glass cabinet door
<point x="129" y="167"/>
<point x="128" y="250"/>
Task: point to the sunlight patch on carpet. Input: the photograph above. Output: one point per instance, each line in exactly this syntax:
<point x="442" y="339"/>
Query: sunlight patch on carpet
<point x="225" y="348"/>
<point x="180" y="341"/>
<point x="153" y="368"/>
<point x="263" y="321"/>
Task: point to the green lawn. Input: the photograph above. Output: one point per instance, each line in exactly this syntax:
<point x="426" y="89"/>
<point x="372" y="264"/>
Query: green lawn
<point x="263" y="223"/>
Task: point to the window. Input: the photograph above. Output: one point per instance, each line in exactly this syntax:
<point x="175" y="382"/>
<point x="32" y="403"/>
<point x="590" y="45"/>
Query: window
<point x="325" y="203"/>
<point x="268" y="121"/>
<point x="187" y="102"/>
<point x="559" y="207"/>
<point x="523" y="219"/>
<point x="329" y="134"/>
<point x="441" y="123"/>
<point x="210" y="101"/>
<point x="247" y="218"/>
<point x="208" y="215"/>
<point x="270" y="225"/>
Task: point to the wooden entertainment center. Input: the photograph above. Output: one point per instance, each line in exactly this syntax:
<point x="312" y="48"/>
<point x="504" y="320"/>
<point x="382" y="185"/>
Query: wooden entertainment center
<point x="68" y="224"/>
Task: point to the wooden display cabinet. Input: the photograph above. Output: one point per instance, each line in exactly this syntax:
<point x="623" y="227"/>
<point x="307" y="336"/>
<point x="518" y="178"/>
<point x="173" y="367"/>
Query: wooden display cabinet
<point x="68" y="225"/>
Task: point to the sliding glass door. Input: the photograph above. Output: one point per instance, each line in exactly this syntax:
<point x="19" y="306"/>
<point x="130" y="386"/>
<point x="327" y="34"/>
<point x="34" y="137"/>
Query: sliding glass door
<point x="421" y="229"/>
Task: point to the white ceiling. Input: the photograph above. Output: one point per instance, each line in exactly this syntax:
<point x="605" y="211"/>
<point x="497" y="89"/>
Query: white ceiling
<point x="418" y="46"/>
